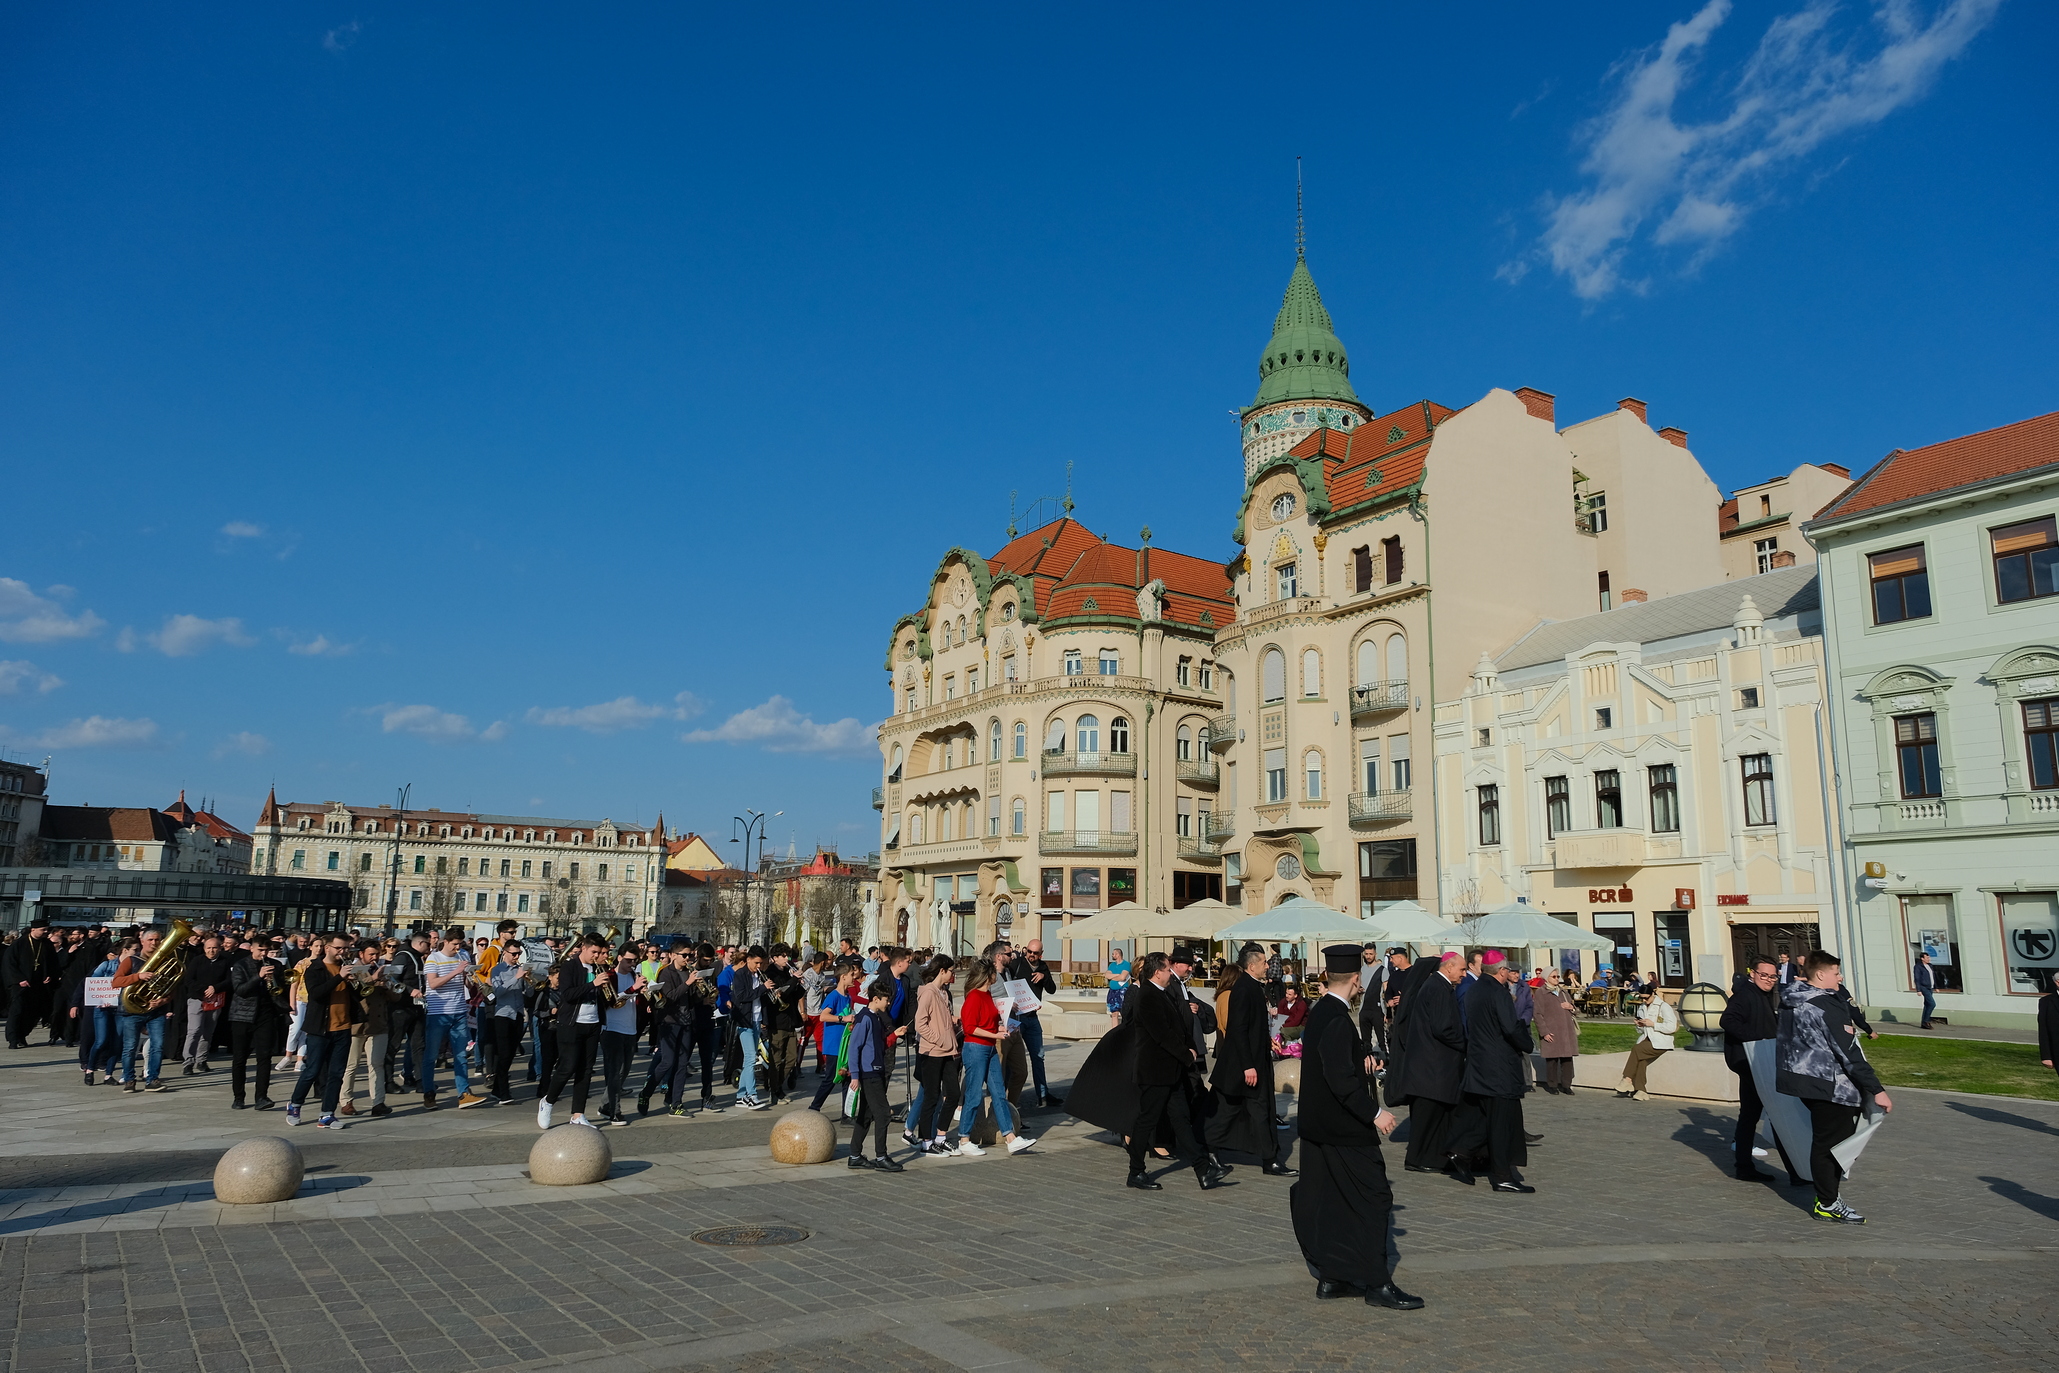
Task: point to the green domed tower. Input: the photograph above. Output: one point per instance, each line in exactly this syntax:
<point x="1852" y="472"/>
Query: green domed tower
<point x="1304" y="377"/>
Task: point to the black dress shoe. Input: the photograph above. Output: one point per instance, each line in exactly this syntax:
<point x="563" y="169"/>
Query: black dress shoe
<point x="1751" y="1172"/>
<point x="1529" y="1138"/>
<point x="238" y="1106"/>
<point x="1523" y="1187"/>
<point x="1393" y="1298"/>
<point x="1421" y="1168"/>
<point x="1211" y="1178"/>
<point x="1219" y="1166"/>
<point x="1460" y="1171"/>
<point x="1333" y="1291"/>
<point x="1280" y="1170"/>
<point x="1143" y="1183"/>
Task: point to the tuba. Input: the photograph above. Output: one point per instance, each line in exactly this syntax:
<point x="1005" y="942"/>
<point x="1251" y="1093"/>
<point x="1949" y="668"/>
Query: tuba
<point x="161" y="973"/>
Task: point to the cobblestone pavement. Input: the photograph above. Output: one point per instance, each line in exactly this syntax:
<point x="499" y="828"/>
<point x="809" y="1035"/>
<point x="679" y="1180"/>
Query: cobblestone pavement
<point x="1638" y="1250"/>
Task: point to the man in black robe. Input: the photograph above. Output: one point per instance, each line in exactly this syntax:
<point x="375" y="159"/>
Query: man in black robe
<point x="1165" y="1058"/>
<point x="1244" y="1072"/>
<point x="1429" y="1064"/>
<point x="1342" y="1205"/>
<point x="1496" y="1045"/>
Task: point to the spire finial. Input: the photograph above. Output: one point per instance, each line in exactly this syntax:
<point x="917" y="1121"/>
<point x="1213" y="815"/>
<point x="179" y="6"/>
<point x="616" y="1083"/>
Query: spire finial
<point x="1068" y="488"/>
<point x="1300" y="226"/>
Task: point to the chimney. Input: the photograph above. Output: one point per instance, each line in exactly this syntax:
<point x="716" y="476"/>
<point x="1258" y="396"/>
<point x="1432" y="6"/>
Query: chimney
<point x="1674" y="435"/>
<point x="1783" y="558"/>
<point x="1837" y="469"/>
<point x="1538" y="403"/>
<point x="1631" y="593"/>
<point x="1634" y="406"/>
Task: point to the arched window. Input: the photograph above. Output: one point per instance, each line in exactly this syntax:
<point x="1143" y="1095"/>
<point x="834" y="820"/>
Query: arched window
<point x="1018" y="817"/>
<point x="1312" y="766"/>
<point x="1054" y="737"/>
<point x="896" y="768"/>
<point x="1273" y="676"/>
<point x="1021" y="739"/>
<point x="971" y="826"/>
<point x="1397" y="659"/>
<point x="1311" y="672"/>
<point x="1088" y="734"/>
<point x="1183" y="744"/>
<point x="915" y="827"/>
<point x="946" y="830"/>
<point x="1118" y="735"/>
<point x="994" y="742"/>
<point x="1368" y="663"/>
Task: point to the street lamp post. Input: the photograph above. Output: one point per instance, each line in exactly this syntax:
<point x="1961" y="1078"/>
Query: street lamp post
<point x="393" y="886"/>
<point x="755" y="822"/>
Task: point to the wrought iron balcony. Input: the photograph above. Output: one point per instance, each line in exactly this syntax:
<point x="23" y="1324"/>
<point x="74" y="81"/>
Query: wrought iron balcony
<point x="1378" y="698"/>
<point x="1201" y="772"/>
<point x="1087" y="842"/>
<point x="1067" y="763"/>
<point x="879" y="798"/>
<point x="1221" y="826"/>
<point x="1222" y="731"/>
<point x="1382" y="809"/>
<point x="1200" y="850"/>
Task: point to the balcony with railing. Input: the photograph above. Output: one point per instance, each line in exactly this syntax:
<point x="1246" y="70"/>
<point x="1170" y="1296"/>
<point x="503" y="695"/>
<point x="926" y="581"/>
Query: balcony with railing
<point x="1222" y="731"/>
<point x="1071" y="763"/>
<point x="1089" y="843"/>
<point x="1200" y="849"/>
<point x="1378" y="698"/>
<point x="879" y="798"/>
<point x="1221" y="825"/>
<point x="1199" y="772"/>
<point x="1382" y="809"/>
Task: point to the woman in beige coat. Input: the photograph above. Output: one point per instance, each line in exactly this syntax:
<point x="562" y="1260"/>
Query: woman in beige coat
<point x="1558" y="1037"/>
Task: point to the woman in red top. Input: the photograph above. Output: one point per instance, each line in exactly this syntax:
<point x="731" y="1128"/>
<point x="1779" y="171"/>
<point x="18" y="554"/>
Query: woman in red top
<point x="984" y="1074"/>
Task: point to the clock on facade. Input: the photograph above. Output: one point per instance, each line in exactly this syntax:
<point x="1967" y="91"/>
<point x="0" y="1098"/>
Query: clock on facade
<point x="1283" y="506"/>
<point x="1288" y="868"/>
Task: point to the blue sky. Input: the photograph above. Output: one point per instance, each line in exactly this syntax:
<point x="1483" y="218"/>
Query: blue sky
<point x="554" y="408"/>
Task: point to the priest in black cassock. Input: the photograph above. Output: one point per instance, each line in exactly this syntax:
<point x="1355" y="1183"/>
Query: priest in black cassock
<point x="1342" y="1205"/>
<point x="1243" y="1078"/>
<point x="1496" y="1045"/>
<point x="1429" y="1064"/>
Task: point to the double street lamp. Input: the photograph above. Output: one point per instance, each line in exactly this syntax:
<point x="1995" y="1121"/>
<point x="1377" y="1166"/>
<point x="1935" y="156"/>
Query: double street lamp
<point x="754" y="823"/>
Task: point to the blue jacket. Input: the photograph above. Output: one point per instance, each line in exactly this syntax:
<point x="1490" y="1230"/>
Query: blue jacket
<point x="868" y="1044"/>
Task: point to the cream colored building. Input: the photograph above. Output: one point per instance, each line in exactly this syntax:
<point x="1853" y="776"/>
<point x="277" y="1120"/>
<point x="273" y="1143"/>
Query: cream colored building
<point x="1760" y="526"/>
<point x="462" y="868"/>
<point x="1654" y="773"/>
<point x="1046" y="754"/>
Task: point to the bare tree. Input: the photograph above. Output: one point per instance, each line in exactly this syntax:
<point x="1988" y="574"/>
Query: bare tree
<point x="1465" y="904"/>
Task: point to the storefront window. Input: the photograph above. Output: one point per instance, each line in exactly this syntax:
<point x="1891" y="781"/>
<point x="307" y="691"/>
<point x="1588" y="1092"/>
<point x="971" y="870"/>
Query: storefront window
<point x="1122" y="885"/>
<point x="1931" y="927"/>
<point x="1052" y="888"/>
<point x="1620" y="926"/>
<point x="2030" y="939"/>
<point x="1086" y="889"/>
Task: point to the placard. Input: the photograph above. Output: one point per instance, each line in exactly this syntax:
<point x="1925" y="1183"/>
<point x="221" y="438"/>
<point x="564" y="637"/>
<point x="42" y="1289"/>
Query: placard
<point x="100" y="992"/>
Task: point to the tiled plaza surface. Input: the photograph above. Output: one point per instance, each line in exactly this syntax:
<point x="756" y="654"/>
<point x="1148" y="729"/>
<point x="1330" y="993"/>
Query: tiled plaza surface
<point x="419" y="1244"/>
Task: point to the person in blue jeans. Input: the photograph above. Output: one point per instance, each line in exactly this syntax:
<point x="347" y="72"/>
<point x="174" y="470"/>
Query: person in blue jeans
<point x="444" y="975"/>
<point x="984" y="1073"/>
<point x="100" y="1033"/>
<point x="149" y="1025"/>
<point x="747" y="1005"/>
<point x="1926" y="982"/>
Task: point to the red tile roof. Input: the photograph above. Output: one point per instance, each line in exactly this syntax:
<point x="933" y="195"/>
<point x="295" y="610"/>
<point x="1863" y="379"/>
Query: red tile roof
<point x="1909" y="474"/>
<point x="1070" y="565"/>
<point x="1367" y="462"/>
<point x="119" y="823"/>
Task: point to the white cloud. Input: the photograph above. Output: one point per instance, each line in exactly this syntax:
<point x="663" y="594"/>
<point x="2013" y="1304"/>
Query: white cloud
<point x="243" y="529"/>
<point x="322" y="646"/>
<point x="244" y="742"/>
<point x="340" y="39"/>
<point x="26" y="618"/>
<point x="1693" y="184"/>
<point x="624" y="712"/>
<point x="185" y="635"/>
<point x="780" y="728"/>
<point x="17" y="675"/>
<point x="441" y="726"/>
<point x="96" y="731"/>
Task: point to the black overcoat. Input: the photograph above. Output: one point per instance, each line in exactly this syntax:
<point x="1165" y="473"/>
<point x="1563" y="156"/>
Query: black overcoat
<point x="1495" y="1042"/>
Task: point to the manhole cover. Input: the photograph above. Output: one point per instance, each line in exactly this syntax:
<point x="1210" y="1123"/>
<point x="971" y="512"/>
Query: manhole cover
<point x="749" y="1236"/>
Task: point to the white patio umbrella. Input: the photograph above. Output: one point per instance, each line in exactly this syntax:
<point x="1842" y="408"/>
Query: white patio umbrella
<point x="1128" y="920"/>
<point x="1405" y="922"/>
<point x="1519" y="925"/>
<point x="1300" y="921"/>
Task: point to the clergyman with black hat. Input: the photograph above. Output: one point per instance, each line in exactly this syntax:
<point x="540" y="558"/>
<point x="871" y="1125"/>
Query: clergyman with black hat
<point x="1165" y="1060"/>
<point x="1243" y="1075"/>
<point x="1342" y="1204"/>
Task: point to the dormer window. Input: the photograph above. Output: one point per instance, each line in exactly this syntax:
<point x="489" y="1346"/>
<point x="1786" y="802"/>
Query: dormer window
<point x="1283" y="506"/>
<point x="1007" y="611"/>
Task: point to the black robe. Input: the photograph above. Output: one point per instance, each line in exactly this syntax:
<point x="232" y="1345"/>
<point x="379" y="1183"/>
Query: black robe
<point x="1432" y="1057"/>
<point x="1342" y="1204"/>
<point x="1243" y="1117"/>
<point x="1490" y="1125"/>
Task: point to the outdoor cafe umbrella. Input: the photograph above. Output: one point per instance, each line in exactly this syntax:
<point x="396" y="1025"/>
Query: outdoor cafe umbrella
<point x="1128" y="920"/>
<point x="1519" y="925"/>
<point x="1405" y="922"/>
<point x="1300" y="921"/>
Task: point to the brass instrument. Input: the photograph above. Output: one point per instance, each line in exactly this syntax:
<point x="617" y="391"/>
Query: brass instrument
<point x="160" y="974"/>
<point x="608" y="994"/>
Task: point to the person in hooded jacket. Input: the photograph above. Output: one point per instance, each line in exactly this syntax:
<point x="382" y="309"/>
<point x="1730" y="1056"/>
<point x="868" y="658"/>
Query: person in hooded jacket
<point x="1821" y="1064"/>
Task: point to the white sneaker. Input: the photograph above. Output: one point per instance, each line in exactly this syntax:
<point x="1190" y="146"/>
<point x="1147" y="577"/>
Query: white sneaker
<point x="1019" y="1143"/>
<point x="543" y="1115"/>
<point x="1758" y="1153"/>
<point x="969" y="1149"/>
<point x="579" y="1118"/>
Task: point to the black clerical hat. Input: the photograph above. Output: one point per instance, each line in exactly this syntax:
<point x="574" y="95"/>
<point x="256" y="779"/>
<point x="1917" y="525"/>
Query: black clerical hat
<point x="1340" y="959"/>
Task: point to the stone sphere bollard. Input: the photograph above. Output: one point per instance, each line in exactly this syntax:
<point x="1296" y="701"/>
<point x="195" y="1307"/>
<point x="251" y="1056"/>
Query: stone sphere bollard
<point x="570" y="1156"/>
<point x="267" y="1168"/>
<point x="1287" y="1076"/>
<point x="803" y="1137"/>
